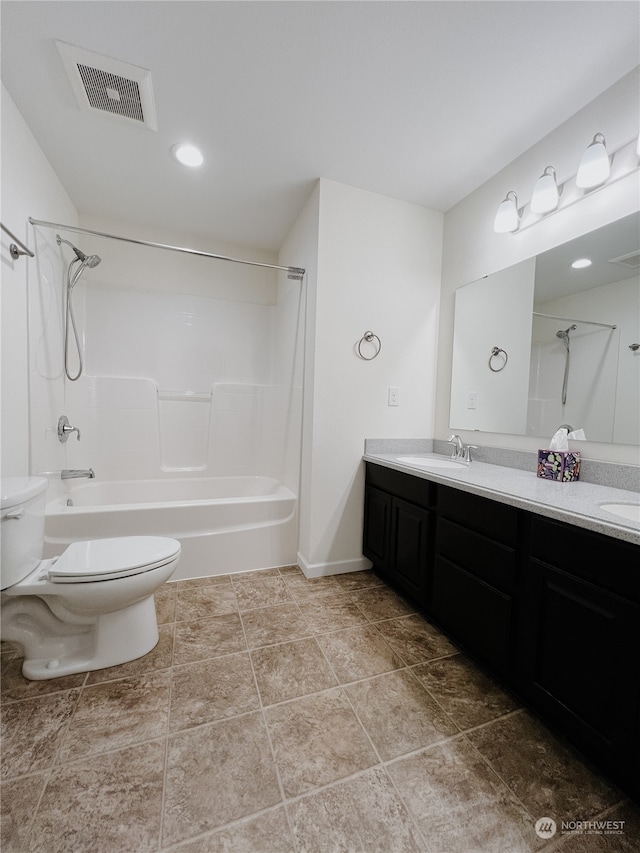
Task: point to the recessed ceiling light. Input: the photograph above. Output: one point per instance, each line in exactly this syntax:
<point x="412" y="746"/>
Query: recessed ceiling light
<point x="581" y="263"/>
<point x="187" y="154"/>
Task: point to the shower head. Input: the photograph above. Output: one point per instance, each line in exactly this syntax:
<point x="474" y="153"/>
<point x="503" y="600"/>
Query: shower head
<point x="564" y="333"/>
<point x="88" y="260"/>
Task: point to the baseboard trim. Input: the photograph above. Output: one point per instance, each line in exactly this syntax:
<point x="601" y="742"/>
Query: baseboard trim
<point x="340" y="567"/>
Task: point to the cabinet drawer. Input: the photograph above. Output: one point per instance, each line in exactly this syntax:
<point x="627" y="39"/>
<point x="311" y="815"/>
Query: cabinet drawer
<point x="475" y="613"/>
<point x="488" y="560"/>
<point x="607" y="562"/>
<point x="495" y="520"/>
<point x="413" y="489"/>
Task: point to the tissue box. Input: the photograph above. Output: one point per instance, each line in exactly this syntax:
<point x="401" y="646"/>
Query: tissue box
<point x="561" y="465"/>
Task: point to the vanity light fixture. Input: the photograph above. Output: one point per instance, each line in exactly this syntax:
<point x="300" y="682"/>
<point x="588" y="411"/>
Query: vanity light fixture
<point x="595" y="165"/>
<point x="546" y="194"/>
<point x="581" y="263"/>
<point x="508" y="216"/>
<point x="187" y="154"/>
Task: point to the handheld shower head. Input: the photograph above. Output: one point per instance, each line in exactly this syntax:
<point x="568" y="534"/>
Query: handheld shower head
<point x="87" y="260"/>
<point x="564" y="333"/>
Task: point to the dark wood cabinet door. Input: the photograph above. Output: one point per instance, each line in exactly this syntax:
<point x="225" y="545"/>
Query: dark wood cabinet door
<point x="410" y="539"/>
<point x="579" y="647"/>
<point x="377" y="527"/>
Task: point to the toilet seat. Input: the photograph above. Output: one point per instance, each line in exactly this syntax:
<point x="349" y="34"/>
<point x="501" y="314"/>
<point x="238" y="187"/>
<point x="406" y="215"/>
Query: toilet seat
<point x="107" y="559"/>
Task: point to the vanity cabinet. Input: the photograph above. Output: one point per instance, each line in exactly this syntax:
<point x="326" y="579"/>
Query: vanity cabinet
<point x="398" y="529"/>
<point x="551" y="609"/>
<point x="579" y="640"/>
<point x="474" y="574"/>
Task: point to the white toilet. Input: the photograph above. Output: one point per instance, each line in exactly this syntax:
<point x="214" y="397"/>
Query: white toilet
<point x="90" y="608"/>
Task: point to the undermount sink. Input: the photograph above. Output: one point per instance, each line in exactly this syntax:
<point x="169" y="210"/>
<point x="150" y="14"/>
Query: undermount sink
<point x="431" y="462"/>
<point x="630" y="512"/>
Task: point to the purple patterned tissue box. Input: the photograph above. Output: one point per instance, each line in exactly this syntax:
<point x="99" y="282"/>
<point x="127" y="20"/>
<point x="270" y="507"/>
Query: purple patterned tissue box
<point x="560" y="465"/>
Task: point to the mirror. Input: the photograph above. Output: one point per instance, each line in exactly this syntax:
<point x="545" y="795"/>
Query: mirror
<point x="565" y="342"/>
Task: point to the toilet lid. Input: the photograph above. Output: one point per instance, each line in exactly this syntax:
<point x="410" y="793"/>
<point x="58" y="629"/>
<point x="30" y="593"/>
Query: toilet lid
<point x="108" y="559"/>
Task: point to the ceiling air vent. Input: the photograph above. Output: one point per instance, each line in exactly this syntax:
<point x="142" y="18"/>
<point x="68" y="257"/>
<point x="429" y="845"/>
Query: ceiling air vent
<point x="631" y="260"/>
<point x="108" y="85"/>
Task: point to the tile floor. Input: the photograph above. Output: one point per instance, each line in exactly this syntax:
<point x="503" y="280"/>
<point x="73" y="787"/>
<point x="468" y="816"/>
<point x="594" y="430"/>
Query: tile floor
<point x="283" y="714"/>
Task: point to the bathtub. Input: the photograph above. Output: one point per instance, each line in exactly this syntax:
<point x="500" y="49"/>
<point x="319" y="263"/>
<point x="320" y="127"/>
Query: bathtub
<point x="224" y="524"/>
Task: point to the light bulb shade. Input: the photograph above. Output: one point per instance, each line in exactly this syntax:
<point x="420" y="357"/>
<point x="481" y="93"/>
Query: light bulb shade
<point x="545" y="194"/>
<point x="507" y="216"/>
<point x="594" y="167"/>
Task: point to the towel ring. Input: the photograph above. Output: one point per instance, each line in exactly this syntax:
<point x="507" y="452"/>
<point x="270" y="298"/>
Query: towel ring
<point x="495" y="352"/>
<point x="369" y="337"/>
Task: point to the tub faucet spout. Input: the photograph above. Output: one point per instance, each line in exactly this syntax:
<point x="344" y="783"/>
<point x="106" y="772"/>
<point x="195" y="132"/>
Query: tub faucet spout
<point x="71" y="473"/>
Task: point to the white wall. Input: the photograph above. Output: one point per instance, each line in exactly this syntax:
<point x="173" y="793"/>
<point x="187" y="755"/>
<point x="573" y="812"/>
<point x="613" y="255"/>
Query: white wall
<point x="471" y="249"/>
<point x="29" y="188"/>
<point x="378" y="269"/>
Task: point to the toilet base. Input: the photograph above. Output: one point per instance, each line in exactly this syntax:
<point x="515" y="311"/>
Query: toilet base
<point x="107" y="640"/>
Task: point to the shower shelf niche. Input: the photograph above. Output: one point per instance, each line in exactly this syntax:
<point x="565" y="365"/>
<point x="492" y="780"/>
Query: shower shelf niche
<point x="184" y="420"/>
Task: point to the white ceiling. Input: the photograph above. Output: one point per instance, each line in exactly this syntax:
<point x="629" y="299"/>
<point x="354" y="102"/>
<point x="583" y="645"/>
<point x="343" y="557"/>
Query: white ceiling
<point x="422" y="101"/>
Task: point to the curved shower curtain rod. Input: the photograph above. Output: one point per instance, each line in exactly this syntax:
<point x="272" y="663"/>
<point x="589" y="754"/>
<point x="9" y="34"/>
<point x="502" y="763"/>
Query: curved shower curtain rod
<point x="295" y="273"/>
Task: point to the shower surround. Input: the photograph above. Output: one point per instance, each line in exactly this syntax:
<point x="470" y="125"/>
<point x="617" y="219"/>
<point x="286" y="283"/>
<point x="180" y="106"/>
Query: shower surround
<point x="182" y="383"/>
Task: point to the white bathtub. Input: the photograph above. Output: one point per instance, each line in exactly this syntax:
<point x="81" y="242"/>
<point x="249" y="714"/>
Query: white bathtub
<point x="225" y="524"/>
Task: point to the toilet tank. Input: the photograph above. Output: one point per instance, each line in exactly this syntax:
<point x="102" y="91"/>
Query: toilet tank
<point x="22" y="533"/>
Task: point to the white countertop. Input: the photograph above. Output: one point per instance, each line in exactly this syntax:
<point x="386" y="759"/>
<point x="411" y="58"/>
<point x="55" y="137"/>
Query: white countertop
<point x="575" y="503"/>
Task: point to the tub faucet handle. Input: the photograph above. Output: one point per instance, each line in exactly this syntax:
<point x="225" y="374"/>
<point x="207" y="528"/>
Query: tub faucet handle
<point x="65" y="429"/>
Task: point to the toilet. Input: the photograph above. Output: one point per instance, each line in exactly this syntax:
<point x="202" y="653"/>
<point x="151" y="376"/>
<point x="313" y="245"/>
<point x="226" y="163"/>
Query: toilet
<point x="90" y="608"/>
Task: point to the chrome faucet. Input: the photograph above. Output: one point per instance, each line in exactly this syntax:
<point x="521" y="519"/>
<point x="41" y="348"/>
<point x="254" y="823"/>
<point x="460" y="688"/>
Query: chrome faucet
<point x="461" y="452"/>
<point x="458" y="446"/>
<point x="72" y="473"/>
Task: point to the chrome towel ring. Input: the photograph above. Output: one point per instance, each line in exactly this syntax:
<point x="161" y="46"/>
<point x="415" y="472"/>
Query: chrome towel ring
<point x="369" y="338"/>
<point x="495" y="352"/>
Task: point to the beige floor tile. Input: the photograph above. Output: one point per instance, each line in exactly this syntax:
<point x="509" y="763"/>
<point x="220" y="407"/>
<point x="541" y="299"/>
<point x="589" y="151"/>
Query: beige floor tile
<point x="15" y="686"/>
<point x="398" y="713"/>
<point x="350" y="581"/>
<point x="291" y="570"/>
<point x="331" y="613"/>
<point x="204" y="601"/>
<point x="415" y="640"/>
<point x="32" y="731"/>
<point x="358" y="653"/>
<point x="276" y="624"/>
<point x="198" y="639"/>
<point x="217" y="774"/>
<point x="361" y="815"/>
<point x="106" y="804"/>
<point x="264" y="592"/>
<point x="255" y="575"/>
<point x="380" y="602"/>
<point x="302" y="587"/>
<point x="18" y="801"/>
<point x="317" y="740"/>
<point x="159" y="657"/>
<point x="209" y="580"/>
<point x="466" y="694"/>
<point x="291" y="669"/>
<point x="459" y="802"/>
<point x="547" y="776"/>
<point x="267" y="833"/>
<point x="212" y="689"/>
<point x="115" y="714"/>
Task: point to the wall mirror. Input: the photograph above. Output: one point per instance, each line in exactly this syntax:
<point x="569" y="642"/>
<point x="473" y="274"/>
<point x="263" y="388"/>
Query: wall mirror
<point x="543" y="343"/>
